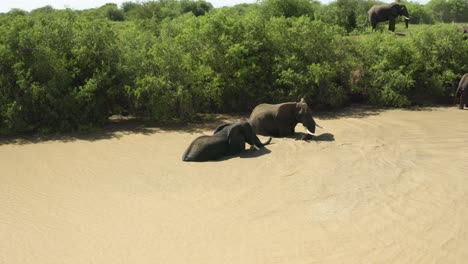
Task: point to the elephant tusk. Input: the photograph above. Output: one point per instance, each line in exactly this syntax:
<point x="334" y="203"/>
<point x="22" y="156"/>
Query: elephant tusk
<point x="407" y="18"/>
<point x="310" y="133"/>
<point x="257" y="148"/>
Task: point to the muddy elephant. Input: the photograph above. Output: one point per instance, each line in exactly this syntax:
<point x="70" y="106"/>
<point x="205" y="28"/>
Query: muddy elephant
<point x="462" y="91"/>
<point x="279" y="120"/>
<point x="227" y="139"/>
<point x="387" y="12"/>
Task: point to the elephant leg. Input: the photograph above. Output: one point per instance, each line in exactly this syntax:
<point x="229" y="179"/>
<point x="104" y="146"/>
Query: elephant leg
<point x="462" y="101"/>
<point x="373" y="24"/>
<point x="391" y="25"/>
<point x="236" y="146"/>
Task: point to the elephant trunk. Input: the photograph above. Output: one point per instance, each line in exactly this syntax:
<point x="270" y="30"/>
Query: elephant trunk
<point x="258" y="144"/>
<point x="267" y="142"/>
<point x="406" y="21"/>
<point x="309" y="124"/>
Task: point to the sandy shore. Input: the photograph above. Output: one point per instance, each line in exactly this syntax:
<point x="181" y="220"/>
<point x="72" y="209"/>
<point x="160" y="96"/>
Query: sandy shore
<point x="386" y="186"/>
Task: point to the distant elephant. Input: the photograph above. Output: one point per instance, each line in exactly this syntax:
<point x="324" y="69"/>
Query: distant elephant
<point x="387" y="12"/>
<point x="279" y="120"/>
<point x="462" y="91"/>
<point x="227" y="139"/>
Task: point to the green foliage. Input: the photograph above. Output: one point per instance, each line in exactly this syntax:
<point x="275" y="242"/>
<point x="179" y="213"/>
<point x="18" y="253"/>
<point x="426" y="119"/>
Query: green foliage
<point x="56" y="72"/>
<point x="198" y="8"/>
<point x="162" y="9"/>
<point x="449" y="10"/>
<point x="420" y="14"/>
<point x="386" y="61"/>
<point x="420" y="68"/>
<point x="310" y="66"/>
<point x="289" y="8"/>
<point x="115" y="14"/>
<point x="441" y="58"/>
<point x="63" y="70"/>
<point x="349" y="14"/>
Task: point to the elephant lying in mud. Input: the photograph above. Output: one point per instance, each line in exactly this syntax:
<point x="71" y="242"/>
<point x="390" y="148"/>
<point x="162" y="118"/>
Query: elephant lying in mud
<point x="462" y="91"/>
<point x="387" y="12"/>
<point x="227" y="139"/>
<point x="279" y="120"/>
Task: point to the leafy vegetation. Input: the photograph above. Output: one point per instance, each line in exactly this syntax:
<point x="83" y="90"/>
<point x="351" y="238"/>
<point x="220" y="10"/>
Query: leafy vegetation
<point x="62" y="70"/>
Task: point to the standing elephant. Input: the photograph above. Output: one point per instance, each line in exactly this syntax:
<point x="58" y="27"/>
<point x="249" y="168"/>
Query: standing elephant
<point x="387" y="12"/>
<point x="462" y="91"/>
<point x="227" y="139"/>
<point x="279" y="120"/>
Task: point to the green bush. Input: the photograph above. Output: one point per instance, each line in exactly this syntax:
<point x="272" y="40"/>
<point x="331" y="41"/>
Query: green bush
<point x="417" y="69"/>
<point x="441" y="58"/>
<point x="315" y="65"/>
<point x="63" y="70"/>
<point x="57" y="72"/>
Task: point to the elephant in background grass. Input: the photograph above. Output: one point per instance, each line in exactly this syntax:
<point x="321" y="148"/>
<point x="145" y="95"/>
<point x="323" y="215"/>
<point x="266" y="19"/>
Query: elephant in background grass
<point x="387" y="12"/>
<point x="280" y="120"/>
<point x="227" y="139"/>
<point x="462" y="91"/>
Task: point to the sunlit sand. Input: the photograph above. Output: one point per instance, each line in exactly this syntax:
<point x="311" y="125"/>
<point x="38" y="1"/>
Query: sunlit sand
<point x="375" y="186"/>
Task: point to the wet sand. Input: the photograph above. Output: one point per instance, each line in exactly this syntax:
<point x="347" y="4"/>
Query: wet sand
<point x="387" y="186"/>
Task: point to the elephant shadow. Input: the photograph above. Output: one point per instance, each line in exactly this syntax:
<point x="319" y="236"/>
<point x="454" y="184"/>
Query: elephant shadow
<point x="326" y="137"/>
<point x="247" y="154"/>
<point x="253" y="153"/>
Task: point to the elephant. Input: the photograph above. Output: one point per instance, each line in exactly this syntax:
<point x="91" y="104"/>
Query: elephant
<point x="279" y="120"/>
<point x="387" y="12"/>
<point x="227" y="139"/>
<point x="462" y="91"/>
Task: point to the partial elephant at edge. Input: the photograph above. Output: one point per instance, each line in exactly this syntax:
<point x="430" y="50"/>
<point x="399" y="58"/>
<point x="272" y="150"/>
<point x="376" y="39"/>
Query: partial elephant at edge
<point x="462" y="91"/>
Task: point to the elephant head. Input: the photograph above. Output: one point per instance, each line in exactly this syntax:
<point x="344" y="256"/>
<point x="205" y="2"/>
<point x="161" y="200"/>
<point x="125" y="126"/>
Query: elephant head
<point x="399" y="10"/>
<point x="250" y="137"/>
<point x="297" y="113"/>
<point x="238" y="134"/>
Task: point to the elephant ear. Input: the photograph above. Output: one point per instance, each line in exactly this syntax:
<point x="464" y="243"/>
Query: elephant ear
<point x="234" y="132"/>
<point x="395" y="9"/>
<point x="287" y="111"/>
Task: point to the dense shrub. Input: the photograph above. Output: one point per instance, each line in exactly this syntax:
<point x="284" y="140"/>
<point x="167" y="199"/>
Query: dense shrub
<point x="420" y="14"/>
<point x="419" y="68"/>
<point x="449" y="10"/>
<point x="314" y="65"/>
<point x="349" y="14"/>
<point x="290" y="8"/>
<point x="441" y="58"/>
<point x="63" y="70"/>
<point x="57" y="73"/>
